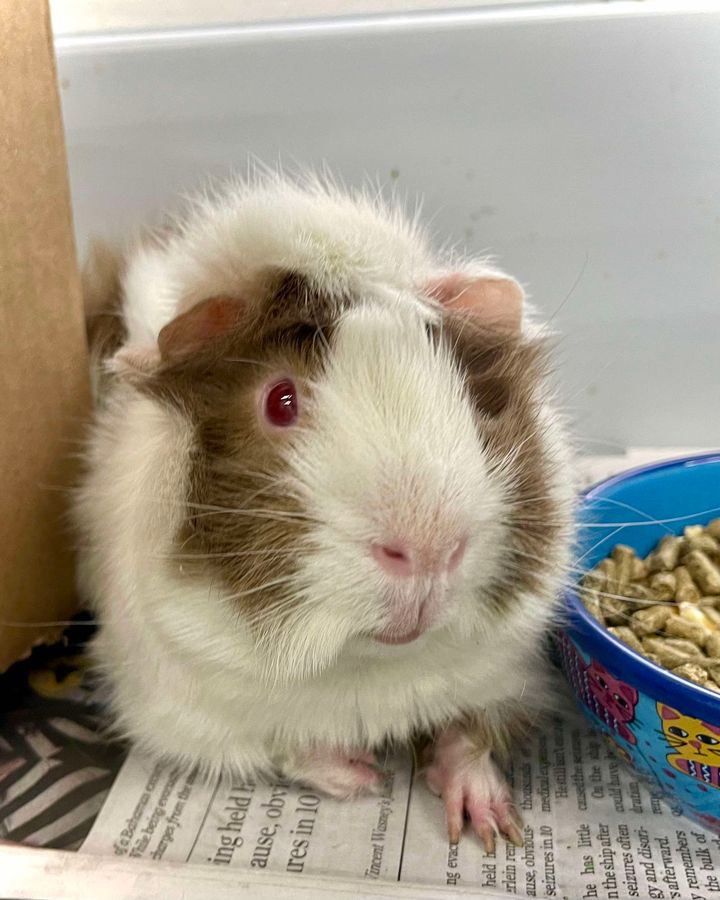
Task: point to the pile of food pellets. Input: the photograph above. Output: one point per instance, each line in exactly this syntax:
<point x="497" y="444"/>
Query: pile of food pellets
<point x="666" y="606"/>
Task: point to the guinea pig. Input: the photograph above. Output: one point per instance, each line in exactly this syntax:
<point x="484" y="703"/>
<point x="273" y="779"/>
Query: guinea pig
<point x="328" y="501"/>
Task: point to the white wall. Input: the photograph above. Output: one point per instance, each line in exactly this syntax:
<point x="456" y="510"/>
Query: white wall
<point x="579" y="143"/>
<point x="81" y="16"/>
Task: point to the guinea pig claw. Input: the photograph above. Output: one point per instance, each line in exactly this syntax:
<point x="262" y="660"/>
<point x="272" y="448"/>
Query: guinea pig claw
<point x="454" y="815"/>
<point x="514" y="835"/>
<point x="486" y="833"/>
<point x="472" y="787"/>
<point x="491" y="819"/>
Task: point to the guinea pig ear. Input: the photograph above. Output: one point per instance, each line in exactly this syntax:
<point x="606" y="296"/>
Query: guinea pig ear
<point x="495" y="299"/>
<point x="202" y="323"/>
<point x="180" y="338"/>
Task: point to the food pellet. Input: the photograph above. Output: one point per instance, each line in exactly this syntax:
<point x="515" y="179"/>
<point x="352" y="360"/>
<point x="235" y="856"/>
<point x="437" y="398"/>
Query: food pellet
<point x="640" y="594"/>
<point x="665" y="557"/>
<point x="626" y="635"/>
<point x="666" y="606"/>
<point x="693" y="613"/>
<point x="615" y="610"/>
<point x="705" y="543"/>
<point x="672" y="652"/>
<point x="679" y="626"/>
<point x="639" y="569"/>
<point x="594" y="580"/>
<point x="712" y="615"/>
<point x="593" y="606"/>
<point x="607" y="568"/>
<point x="712" y="644"/>
<point x="692" y="672"/>
<point x="650" y="620"/>
<point x="623" y="557"/>
<point x="663" y="585"/>
<point x="703" y="571"/>
<point x="686" y="591"/>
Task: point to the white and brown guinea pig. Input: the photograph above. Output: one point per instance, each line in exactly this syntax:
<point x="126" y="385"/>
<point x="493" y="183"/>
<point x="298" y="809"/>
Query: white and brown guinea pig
<point x="328" y="500"/>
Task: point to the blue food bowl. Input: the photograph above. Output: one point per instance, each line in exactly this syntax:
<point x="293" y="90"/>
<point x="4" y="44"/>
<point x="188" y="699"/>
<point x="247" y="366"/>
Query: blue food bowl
<point x="666" y="727"/>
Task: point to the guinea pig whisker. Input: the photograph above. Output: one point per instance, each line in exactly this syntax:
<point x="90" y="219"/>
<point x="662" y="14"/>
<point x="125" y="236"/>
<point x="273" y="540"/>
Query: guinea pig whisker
<point x="237" y="595"/>
<point x="250" y="362"/>
<point x="526" y="501"/>
<point x="539" y="559"/>
<point x="704" y="512"/>
<point x="631" y="508"/>
<point x="546" y="325"/>
<point x="507" y="461"/>
<point x="229" y="555"/>
<point x="263" y="490"/>
<point x="267" y="514"/>
<point x="602" y="540"/>
<point x="570" y="585"/>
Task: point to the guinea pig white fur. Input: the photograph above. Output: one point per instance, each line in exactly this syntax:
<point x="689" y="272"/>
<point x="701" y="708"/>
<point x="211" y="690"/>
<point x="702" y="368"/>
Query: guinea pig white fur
<point x="327" y="502"/>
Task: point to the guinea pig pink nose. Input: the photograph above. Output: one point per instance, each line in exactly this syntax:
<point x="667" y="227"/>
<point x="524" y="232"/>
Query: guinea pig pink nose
<point x="402" y="558"/>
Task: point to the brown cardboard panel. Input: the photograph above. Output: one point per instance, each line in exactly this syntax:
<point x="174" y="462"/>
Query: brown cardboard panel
<point x="44" y="392"/>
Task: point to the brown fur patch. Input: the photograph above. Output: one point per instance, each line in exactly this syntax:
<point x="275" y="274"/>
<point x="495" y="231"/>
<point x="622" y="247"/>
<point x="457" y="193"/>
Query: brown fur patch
<point x="243" y="524"/>
<point x="502" y="376"/>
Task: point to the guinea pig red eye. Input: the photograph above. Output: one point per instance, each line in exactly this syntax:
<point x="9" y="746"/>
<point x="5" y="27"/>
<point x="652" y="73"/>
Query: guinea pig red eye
<point x="281" y="404"/>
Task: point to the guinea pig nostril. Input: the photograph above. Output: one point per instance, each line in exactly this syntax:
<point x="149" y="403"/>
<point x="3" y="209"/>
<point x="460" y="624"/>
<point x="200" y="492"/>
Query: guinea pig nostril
<point x="393" y="557"/>
<point x="392" y="553"/>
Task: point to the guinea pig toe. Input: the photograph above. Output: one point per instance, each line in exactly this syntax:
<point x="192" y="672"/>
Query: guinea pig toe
<point x="474" y="789"/>
<point x="491" y="817"/>
<point x="339" y="775"/>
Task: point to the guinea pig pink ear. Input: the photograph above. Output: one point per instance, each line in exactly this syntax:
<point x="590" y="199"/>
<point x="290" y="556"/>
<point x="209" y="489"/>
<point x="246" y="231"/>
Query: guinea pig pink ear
<point x="495" y="299"/>
<point x="201" y="324"/>
<point x="180" y="338"/>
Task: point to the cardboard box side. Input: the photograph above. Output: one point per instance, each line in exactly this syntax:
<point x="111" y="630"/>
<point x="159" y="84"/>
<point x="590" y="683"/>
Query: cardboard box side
<point x="44" y="393"/>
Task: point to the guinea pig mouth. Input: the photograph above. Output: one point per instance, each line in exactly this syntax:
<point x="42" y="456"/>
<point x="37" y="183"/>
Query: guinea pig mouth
<point x="410" y="616"/>
<point x="390" y="636"/>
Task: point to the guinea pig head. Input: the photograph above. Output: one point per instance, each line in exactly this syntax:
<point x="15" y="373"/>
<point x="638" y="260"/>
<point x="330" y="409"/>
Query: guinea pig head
<point x="367" y="469"/>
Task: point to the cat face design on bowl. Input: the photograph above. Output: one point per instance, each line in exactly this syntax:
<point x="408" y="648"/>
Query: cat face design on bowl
<point x="610" y="699"/>
<point x="695" y="745"/>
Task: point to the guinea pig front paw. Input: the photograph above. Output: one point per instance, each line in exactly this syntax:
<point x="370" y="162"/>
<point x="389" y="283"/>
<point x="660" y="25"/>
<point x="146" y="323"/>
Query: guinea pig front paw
<point x="340" y="775"/>
<point x="472" y="786"/>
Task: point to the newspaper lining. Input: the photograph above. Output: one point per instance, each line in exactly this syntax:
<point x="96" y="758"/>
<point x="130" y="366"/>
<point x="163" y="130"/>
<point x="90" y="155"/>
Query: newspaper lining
<point x="592" y="829"/>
